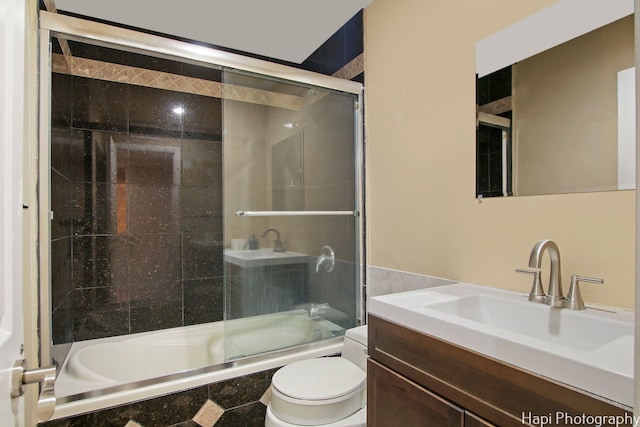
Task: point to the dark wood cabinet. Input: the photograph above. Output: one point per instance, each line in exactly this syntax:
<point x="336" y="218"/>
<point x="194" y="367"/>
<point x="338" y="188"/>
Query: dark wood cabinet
<point x="393" y="400"/>
<point x="472" y="420"/>
<point x="420" y="380"/>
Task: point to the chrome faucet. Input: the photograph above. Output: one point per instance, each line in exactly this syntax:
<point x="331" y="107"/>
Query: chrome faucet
<point x="555" y="296"/>
<point x="278" y="246"/>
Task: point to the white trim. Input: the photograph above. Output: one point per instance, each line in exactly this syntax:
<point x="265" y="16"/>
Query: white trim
<point x="626" y="129"/>
<point x="296" y="213"/>
<point x="44" y="200"/>
<point x="492" y="119"/>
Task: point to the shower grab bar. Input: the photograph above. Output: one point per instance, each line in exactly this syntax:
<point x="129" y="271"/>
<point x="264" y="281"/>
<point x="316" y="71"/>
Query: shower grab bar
<point x="297" y="213"/>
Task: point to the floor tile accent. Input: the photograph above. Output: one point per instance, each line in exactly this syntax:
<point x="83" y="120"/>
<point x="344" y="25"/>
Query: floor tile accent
<point x="209" y="414"/>
<point x="266" y="397"/>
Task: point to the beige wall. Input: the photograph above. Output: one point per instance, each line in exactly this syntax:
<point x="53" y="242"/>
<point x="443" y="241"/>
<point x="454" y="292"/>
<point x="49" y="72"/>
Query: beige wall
<point x="422" y="215"/>
<point x="565" y="121"/>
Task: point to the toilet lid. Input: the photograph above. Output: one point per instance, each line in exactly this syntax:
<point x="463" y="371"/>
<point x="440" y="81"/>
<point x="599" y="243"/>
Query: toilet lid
<point x="319" y="379"/>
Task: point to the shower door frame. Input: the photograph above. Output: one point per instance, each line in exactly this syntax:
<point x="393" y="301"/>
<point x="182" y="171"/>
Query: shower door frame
<point x="66" y="27"/>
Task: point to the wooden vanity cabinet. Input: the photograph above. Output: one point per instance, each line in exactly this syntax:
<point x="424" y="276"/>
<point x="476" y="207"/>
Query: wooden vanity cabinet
<point x="393" y="400"/>
<point x="416" y="379"/>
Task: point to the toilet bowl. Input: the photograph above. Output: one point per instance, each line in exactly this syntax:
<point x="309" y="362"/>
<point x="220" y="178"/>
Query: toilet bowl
<point x="328" y="391"/>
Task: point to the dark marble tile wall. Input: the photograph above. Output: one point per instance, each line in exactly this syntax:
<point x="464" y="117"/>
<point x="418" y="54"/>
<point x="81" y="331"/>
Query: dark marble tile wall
<point x="137" y="201"/>
<point x="238" y="398"/>
<point x="489" y="161"/>
<point x="62" y="206"/>
<point x="494" y="86"/>
<point x="342" y="47"/>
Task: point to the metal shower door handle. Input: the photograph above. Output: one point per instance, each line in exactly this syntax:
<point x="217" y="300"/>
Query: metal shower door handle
<point x="46" y="376"/>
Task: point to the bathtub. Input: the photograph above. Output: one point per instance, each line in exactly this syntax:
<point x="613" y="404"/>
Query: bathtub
<point x="112" y="371"/>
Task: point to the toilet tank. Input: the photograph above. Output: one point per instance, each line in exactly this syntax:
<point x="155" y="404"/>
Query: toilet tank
<point x="355" y="346"/>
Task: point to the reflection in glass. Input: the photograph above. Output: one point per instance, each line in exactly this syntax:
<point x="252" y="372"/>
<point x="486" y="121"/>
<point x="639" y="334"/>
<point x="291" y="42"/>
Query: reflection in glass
<point x="287" y="173"/>
<point x="296" y="154"/>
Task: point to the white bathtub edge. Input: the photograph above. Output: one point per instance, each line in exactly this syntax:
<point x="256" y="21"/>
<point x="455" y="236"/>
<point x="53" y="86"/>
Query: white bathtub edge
<point x="92" y="404"/>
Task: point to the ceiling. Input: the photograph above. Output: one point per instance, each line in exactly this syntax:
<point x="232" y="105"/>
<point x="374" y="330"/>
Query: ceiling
<point x="289" y="30"/>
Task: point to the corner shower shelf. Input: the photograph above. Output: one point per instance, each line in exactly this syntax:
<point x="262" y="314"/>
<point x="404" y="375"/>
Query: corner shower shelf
<point x="297" y="213"/>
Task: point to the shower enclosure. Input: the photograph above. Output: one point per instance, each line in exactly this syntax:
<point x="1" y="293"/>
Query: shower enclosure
<point x="197" y="205"/>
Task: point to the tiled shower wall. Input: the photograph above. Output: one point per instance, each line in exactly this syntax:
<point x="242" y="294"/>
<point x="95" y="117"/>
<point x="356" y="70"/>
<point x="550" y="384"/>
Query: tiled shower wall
<point x="137" y="201"/>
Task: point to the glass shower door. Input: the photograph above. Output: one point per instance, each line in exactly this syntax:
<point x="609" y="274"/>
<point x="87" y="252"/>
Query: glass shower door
<point x="290" y="212"/>
<point x="190" y="206"/>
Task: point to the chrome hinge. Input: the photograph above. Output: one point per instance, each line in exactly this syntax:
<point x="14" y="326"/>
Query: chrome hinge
<point x="45" y="376"/>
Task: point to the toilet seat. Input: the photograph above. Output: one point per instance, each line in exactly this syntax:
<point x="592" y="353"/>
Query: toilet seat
<point x="317" y="391"/>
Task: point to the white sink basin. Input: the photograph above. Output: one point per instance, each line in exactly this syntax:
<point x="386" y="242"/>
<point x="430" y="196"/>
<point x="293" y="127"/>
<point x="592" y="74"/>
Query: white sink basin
<point x="263" y="257"/>
<point x="560" y="327"/>
<point x="591" y="349"/>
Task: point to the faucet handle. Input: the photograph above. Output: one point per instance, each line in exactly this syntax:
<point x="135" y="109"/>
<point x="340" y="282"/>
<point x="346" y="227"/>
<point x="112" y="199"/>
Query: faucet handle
<point x="586" y="279"/>
<point x="530" y="270"/>
<point x="537" y="293"/>
<point x="574" y="299"/>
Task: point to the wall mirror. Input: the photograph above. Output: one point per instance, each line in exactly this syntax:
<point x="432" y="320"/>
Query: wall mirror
<point x="556" y="109"/>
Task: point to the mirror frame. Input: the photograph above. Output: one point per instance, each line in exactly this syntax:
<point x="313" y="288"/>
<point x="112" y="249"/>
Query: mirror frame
<point x="524" y="38"/>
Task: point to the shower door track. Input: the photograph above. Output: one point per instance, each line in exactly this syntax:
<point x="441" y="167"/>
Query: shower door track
<point x="297" y="213"/>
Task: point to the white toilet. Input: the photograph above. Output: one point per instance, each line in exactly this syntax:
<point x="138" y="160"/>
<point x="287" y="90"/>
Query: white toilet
<point x="328" y="391"/>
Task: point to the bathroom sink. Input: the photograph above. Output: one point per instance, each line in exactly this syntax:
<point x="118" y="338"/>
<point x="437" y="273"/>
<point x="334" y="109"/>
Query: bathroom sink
<point x="558" y="327"/>
<point x="590" y="349"/>
<point x="263" y="257"/>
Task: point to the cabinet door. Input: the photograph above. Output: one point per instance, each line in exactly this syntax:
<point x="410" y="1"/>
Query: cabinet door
<point x="393" y="401"/>
<point x="472" y="420"/>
